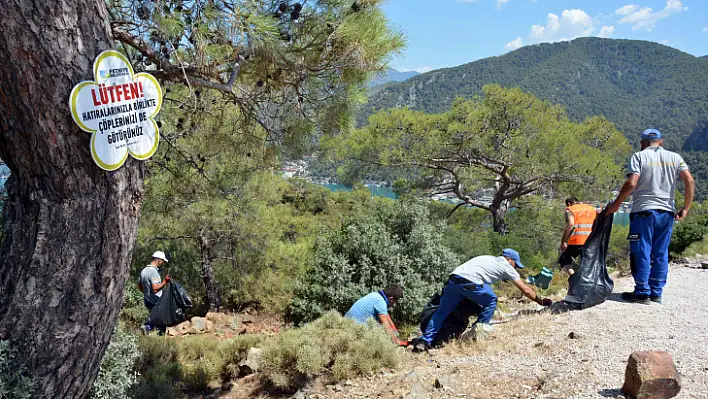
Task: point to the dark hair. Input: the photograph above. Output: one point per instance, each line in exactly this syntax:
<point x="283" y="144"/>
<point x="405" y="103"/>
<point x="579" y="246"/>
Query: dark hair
<point x="394" y="291"/>
<point x="571" y="200"/>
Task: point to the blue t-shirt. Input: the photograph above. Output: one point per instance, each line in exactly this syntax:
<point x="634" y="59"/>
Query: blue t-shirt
<point x="368" y="307"/>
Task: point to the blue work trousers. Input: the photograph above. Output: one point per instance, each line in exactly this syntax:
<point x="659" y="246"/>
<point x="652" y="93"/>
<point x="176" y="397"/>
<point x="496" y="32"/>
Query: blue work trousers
<point x="453" y="294"/>
<point x="649" y="236"/>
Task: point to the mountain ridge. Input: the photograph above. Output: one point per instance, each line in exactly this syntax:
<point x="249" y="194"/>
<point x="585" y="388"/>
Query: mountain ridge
<point x="636" y="84"/>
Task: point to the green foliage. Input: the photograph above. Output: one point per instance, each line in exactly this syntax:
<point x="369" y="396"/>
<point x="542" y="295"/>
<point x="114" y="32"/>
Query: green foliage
<point x="618" y="252"/>
<point x="635" y="84"/>
<point x="117" y="374"/>
<point x="189" y="364"/>
<point x="698" y="247"/>
<point x="506" y="144"/>
<point x="393" y="242"/>
<point x="14" y="381"/>
<point x="134" y="312"/>
<point x="332" y="345"/>
<point x="690" y="230"/>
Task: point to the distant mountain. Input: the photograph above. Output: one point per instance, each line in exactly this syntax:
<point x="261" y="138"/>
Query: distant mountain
<point x="635" y="84"/>
<point x="392" y="75"/>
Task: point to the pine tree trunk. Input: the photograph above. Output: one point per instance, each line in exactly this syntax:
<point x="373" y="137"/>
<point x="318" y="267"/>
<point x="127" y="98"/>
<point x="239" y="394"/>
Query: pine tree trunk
<point x="213" y="296"/>
<point x="69" y="226"/>
<point x="499" y="212"/>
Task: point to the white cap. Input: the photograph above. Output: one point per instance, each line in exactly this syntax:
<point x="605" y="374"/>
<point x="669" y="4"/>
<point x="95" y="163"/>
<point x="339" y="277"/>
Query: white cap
<point x="160" y="255"/>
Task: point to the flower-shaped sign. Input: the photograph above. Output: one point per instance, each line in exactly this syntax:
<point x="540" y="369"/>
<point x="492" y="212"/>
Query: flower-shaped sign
<point x="118" y="108"/>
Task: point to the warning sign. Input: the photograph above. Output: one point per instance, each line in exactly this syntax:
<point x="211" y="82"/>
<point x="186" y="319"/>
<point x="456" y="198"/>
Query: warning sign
<point x="118" y="108"/>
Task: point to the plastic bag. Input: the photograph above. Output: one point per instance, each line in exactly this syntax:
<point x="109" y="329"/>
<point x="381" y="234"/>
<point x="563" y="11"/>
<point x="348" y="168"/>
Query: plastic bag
<point x="169" y="310"/>
<point x="591" y="284"/>
<point x="456" y="322"/>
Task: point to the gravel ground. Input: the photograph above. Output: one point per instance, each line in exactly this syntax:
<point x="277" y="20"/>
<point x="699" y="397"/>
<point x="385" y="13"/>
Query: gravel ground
<point x="533" y="357"/>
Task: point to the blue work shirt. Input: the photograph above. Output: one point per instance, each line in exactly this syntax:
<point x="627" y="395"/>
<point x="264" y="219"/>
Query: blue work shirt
<point x="370" y="306"/>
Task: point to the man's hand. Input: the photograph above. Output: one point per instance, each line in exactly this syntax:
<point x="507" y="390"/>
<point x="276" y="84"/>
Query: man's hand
<point x="167" y="277"/>
<point x="613" y="208"/>
<point x="563" y="247"/>
<point x="682" y="214"/>
<point x="545" y="302"/>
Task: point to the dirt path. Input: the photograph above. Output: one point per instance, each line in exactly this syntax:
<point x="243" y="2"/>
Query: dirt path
<point x="534" y="357"/>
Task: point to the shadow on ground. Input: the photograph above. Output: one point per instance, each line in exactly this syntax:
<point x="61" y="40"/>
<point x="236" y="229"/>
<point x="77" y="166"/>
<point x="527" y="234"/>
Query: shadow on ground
<point x="610" y="393"/>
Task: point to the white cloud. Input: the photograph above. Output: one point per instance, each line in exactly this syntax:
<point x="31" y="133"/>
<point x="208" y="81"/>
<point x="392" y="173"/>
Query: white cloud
<point x="606" y="31"/>
<point x="502" y="2"/>
<point x="514" y="44"/>
<point x="705" y="29"/>
<point x="419" y="70"/>
<point x="571" y="24"/>
<point x="645" y="17"/>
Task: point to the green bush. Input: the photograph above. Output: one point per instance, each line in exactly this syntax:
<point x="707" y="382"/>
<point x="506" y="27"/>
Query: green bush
<point x="333" y="346"/>
<point x="14" y="383"/>
<point x="234" y="351"/>
<point x="395" y="242"/>
<point x="698" y="247"/>
<point x="134" y="312"/>
<point x="690" y="230"/>
<point x="618" y="252"/>
<point x="117" y="374"/>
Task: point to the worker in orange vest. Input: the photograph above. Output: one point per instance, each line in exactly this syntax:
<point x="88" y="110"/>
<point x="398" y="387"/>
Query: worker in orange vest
<point x="579" y="218"/>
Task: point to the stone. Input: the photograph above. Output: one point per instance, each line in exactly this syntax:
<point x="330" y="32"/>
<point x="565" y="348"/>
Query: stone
<point x="182" y="327"/>
<point x="704" y="265"/>
<point x="200" y="325"/>
<point x="251" y="363"/>
<point x="651" y="375"/>
<point x="574" y="335"/>
<point x="418" y="391"/>
<point x="213" y="317"/>
<point x="445" y="382"/>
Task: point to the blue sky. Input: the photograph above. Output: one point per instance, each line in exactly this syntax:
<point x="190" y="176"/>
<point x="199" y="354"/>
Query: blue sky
<point x="444" y="33"/>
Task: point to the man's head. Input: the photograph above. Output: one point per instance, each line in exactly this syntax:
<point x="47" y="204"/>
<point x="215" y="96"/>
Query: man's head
<point x="651" y="138"/>
<point x="513" y="258"/>
<point x="393" y="292"/>
<point x="158" y="259"/>
<point x="571" y="201"/>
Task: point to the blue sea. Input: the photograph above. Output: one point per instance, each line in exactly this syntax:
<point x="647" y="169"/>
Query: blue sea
<point x="621" y="219"/>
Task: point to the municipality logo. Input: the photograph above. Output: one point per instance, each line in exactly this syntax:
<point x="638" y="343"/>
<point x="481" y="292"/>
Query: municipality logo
<point x="105" y="74"/>
<point x="113" y="73"/>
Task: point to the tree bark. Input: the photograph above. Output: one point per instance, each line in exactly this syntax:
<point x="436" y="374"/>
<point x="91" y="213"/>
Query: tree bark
<point x="213" y="296"/>
<point x="69" y="226"/>
<point x="499" y="211"/>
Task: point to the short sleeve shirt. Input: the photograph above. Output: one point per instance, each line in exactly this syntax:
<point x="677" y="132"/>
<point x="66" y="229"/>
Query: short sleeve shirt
<point x="487" y="269"/>
<point x="148" y="277"/>
<point x="367" y="307"/>
<point x="658" y="171"/>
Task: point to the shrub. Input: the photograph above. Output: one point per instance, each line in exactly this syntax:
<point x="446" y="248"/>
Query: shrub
<point x="618" y="252"/>
<point x="14" y="383"/>
<point x="234" y="351"/>
<point x="117" y="373"/>
<point x="332" y="345"/>
<point x="134" y="312"/>
<point x="690" y="230"/>
<point x="392" y="243"/>
<point x="699" y="247"/>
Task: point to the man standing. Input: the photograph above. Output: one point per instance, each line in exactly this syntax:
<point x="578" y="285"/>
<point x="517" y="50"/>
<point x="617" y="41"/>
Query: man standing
<point x="151" y="285"/>
<point x="651" y="179"/>
<point x="375" y="306"/>
<point x="473" y="280"/>
<point x="579" y="219"/>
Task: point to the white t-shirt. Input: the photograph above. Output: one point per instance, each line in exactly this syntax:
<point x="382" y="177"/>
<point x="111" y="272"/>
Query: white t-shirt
<point x="487" y="269"/>
<point x="658" y="171"/>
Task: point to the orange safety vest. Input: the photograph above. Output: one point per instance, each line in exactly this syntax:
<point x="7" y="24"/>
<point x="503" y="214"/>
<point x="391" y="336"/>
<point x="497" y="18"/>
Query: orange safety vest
<point x="584" y="217"/>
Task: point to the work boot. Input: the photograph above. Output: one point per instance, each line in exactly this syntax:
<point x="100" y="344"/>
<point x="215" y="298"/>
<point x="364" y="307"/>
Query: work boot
<point x="420" y="346"/>
<point x="634" y="298"/>
<point x="656" y="299"/>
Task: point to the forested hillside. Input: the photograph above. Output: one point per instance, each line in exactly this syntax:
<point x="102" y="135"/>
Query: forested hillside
<point x="635" y="84"/>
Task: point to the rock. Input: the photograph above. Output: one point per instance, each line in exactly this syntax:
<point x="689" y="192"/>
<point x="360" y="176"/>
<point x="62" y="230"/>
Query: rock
<point x="574" y="335"/>
<point x="200" y="325"/>
<point x="704" y="265"/>
<point x="172" y="332"/>
<point x="418" y="391"/>
<point x="252" y="363"/>
<point x="213" y="317"/>
<point x="651" y="375"/>
<point x="445" y="382"/>
<point x="226" y="387"/>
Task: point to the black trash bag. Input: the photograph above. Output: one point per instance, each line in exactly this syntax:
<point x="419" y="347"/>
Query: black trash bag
<point x="456" y="322"/>
<point x="169" y="310"/>
<point x="183" y="299"/>
<point x="591" y="284"/>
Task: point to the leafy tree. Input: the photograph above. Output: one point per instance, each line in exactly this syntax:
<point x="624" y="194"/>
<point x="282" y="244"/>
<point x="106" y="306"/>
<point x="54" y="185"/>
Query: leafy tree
<point x="70" y="228"/>
<point x="509" y="143"/>
<point x="391" y="243"/>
